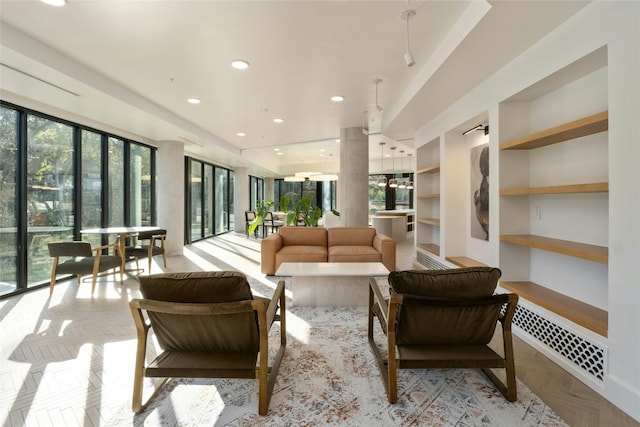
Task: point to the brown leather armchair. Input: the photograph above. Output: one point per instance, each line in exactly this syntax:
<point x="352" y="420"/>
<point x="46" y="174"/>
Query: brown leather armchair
<point x="208" y="325"/>
<point x="443" y="319"/>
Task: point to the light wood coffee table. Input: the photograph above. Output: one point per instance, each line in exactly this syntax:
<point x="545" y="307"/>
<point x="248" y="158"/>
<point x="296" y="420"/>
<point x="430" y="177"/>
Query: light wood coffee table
<point x="331" y="284"/>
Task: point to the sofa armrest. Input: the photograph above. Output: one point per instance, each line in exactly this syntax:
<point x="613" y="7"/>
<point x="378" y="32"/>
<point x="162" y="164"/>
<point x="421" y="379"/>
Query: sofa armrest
<point x="387" y="248"/>
<point x="268" y="249"/>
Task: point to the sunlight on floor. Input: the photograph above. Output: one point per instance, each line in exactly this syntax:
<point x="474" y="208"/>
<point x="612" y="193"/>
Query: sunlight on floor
<point x="199" y="261"/>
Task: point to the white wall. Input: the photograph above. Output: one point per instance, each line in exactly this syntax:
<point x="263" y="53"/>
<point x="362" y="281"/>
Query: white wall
<point x="171" y="194"/>
<point x="615" y="25"/>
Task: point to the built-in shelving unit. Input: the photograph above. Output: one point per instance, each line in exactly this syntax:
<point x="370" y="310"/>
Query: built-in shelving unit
<point x="463" y="261"/>
<point x="561" y="303"/>
<point x="576" y="129"/>
<point x="427" y="216"/>
<point x="597" y="187"/>
<point x="585" y="315"/>
<point x="429" y="247"/>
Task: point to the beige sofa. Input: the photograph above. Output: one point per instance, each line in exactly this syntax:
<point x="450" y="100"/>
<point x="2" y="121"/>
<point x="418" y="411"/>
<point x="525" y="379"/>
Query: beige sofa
<point x="318" y="244"/>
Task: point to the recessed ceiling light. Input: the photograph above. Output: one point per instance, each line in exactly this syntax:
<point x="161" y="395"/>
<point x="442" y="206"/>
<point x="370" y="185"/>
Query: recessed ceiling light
<point x="239" y="64"/>
<point x="280" y="153"/>
<point x="337" y="98"/>
<point x="337" y="140"/>
<point x="241" y="134"/>
<point x="55" y="2"/>
<point x="322" y="150"/>
<point x="276" y="149"/>
<point x="278" y="120"/>
<point x="193" y="100"/>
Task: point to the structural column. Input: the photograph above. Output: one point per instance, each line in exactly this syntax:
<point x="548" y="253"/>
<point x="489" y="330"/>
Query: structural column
<point x="170" y="194"/>
<point x="240" y="199"/>
<point x="353" y="185"/>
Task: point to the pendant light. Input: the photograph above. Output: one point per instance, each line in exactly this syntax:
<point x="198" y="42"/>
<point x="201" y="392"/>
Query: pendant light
<point x="393" y="183"/>
<point x="403" y="182"/>
<point x="408" y="56"/>
<point x="409" y="183"/>
<point x="378" y="106"/>
<point x="382" y="180"/>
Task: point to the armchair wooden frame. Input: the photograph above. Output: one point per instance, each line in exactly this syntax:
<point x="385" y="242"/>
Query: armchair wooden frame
<point x="97" y="266"/>
<point x="441" y="356"/>
<point x="164" y="365"/>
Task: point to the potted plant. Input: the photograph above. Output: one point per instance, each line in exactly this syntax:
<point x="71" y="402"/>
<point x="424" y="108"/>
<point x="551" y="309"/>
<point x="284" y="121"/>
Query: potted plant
<point x="301" y="209"/>
<point x="261" y="210"/>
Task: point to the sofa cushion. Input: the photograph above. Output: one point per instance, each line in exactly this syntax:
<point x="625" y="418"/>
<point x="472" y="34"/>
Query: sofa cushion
<point x="471" y="282"/>
<point x="303" y="236"/>
<point x="196" y="287"/>
<point x="351" y="236"/>
<point x="301" y="254"/>
<point x="353" y="254"/>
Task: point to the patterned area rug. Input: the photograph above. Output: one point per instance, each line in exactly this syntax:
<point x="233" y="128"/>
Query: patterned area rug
<point x="329" y="377"/>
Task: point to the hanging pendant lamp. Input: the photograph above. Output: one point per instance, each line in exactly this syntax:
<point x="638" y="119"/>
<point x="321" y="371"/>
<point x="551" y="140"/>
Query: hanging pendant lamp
<point x="402" y="183"/>
<point x="393" y="183"/>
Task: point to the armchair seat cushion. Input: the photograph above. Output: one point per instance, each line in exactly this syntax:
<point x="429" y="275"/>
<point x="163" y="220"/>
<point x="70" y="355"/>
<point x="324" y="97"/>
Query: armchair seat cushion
<point x="201" y="364"/>
<point x="301" y="253"/>
<point x="84" y="266"/>
<point x="353" y="253"/>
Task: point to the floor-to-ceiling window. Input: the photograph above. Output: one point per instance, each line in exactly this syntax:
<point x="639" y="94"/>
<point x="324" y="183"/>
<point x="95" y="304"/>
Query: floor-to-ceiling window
<point x="223" y="204"/>
<point x="209" y="199"/>
<point x="50" y="191"/>
<point x="53" y="175"/>
<point x="324" y="193"/>
<point x="8" y="199"/>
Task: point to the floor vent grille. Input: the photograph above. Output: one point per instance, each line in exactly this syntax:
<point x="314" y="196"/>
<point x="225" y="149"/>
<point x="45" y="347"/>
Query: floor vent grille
<point x="429" y="263"/>
<point x="586" y="355"/>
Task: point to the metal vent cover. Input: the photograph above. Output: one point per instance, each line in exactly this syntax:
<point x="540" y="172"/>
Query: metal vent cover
<point x="588" y="356"/>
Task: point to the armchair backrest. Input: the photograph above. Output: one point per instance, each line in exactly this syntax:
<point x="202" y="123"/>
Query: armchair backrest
<point x="147" y="235"/>
<point x="70" y="249"/>
<point x="440" y="307"/>
<point x="236" y="332"/>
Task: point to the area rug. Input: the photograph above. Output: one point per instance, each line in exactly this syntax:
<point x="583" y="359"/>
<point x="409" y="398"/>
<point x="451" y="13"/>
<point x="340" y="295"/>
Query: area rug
<point x="329" y="377"/>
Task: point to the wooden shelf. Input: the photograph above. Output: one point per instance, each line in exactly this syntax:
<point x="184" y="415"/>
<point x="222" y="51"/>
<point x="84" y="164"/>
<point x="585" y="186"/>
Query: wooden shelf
<point x="428" y="196"/>
<point x="585" y="315"/>
<point x="429" y="247"/>
<point x="578" y="250"/>
<point x="429" y="221"/>
<point x="596" y="187"/>
<point x="582" y="127"/>
<point x="430" y="169"/>
<point x="463" y="261"/>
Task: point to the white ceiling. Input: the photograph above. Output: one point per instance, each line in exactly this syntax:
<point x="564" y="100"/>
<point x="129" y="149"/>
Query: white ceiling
<point x="129" y="66"/>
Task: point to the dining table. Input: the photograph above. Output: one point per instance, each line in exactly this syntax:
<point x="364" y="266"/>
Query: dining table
<point x="123" y="233"/>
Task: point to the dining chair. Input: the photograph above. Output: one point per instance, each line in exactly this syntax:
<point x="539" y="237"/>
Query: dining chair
<point x="147" y="244"/>
<point x="80" y="259"/>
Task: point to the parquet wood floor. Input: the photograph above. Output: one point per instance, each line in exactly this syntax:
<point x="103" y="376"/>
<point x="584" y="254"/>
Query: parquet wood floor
<point x="68" y="360"/>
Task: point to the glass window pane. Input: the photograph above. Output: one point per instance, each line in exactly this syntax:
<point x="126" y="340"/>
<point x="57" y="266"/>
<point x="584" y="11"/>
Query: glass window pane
<point x="116" y="183"/>
<point x="231" y="209"/>
<point x="196" y="200"/>
<point x="222" y="204"/>
<point x="91" y="185"/>
<point x="50" y="186"/>
<point x="208" y="199"/>
<point x="140" y="182"/>
<point x="8" y="211"/>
